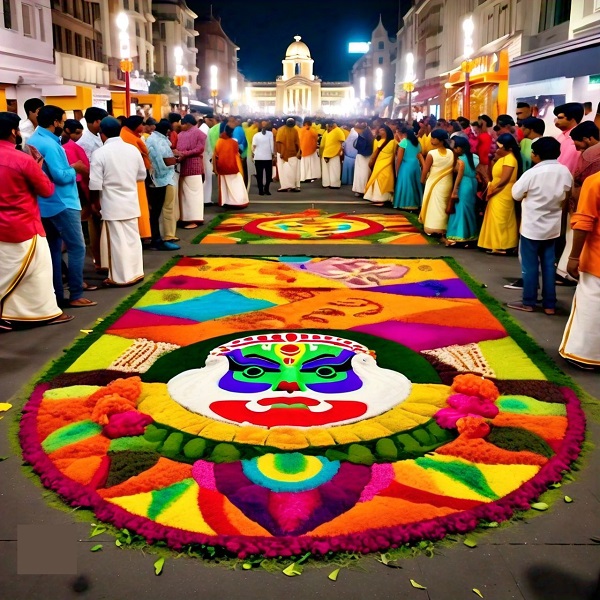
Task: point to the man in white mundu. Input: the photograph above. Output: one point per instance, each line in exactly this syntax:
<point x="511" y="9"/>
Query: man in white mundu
<point x="288" y="150"/>
<point x="114" y="171"/>
<point x="310" y="164"/>
<point x="209" y="121"/>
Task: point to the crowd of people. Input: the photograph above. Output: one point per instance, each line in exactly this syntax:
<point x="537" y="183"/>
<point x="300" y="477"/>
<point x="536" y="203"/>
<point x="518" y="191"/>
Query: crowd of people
<point x="119" y="185"/>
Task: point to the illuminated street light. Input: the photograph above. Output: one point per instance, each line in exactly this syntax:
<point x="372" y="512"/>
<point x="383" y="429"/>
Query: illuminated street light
<point x="409" y="81"/>
<point x="214" y="85"/>
<point x="180" y="75"/>
<point x="466" y="65"/>
<point x="126" y="64"/>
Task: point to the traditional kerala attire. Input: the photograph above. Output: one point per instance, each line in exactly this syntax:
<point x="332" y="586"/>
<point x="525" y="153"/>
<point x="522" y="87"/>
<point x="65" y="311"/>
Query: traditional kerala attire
<point x="362" y="171"/>
<point x="380" y="187"/>
<point x="462" y="223"/>
<point x="350" y="153"/>
<point x="287" y="143"/>
<point x="409" y="189"/>
<point x="26" y="291"/>
<point x="581" y="339"/>
<point x="331" y="162"/>
<point x="499" y="228"/>
<point x="208" y="168"/>
<point x="438" y="189"/>
<point x="310" y="165"/>
<point x="132" y="138"/>
<point x="115" y="171"/>
<point x="190" y="145"/>
<point x="228" y="166"/>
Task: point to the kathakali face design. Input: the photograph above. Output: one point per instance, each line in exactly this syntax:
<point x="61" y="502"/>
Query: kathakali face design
<point x="314" y="227"/>
<point x="290" y="379"/>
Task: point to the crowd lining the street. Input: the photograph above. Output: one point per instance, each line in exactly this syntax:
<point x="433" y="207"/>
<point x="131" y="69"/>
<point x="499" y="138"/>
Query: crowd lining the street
<point x="122" y="185"/>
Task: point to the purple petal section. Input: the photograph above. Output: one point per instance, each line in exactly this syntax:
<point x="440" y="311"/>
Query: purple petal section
<point x="433" y="288"/>
<point x="184" y="282"/>
<point x="420" y="336"/>
<point x="134" y="318"/>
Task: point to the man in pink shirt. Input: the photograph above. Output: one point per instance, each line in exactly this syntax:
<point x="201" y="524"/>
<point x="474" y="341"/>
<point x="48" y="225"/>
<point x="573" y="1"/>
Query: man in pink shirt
<point x="568" y="115"/>
<point x="26" y="290"/>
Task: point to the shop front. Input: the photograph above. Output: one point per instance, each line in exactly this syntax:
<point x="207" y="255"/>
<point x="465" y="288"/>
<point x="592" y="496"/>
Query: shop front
<point x="488" y="79"/>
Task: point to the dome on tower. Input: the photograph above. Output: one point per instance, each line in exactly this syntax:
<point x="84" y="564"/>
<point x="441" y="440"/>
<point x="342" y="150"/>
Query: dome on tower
<point x="297" y="50"/>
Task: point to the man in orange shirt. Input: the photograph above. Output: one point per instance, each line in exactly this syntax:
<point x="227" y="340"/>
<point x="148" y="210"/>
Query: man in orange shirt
<point x="580" y="345"/>
<point x="310" y="166"/>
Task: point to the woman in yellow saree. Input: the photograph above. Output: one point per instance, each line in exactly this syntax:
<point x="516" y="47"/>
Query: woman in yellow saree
<point x="380" y="187"/>
<point x="437" y="177"/>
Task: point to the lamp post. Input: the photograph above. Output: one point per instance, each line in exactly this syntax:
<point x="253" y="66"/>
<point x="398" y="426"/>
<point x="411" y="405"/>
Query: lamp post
<point x="214" y="85"/>
<point x="180" y="77"/>
<point x="409" y="82"/>
<point x="466" y="66"/>
<point x="126" y="64"/>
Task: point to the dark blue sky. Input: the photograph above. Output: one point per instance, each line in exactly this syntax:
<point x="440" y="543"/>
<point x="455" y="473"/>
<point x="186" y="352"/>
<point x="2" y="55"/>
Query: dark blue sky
<point x="263" y="30"/>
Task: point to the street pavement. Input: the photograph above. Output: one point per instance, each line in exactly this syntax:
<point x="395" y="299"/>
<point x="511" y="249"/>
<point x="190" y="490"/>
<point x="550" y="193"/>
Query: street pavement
<point x="549" y="557"/>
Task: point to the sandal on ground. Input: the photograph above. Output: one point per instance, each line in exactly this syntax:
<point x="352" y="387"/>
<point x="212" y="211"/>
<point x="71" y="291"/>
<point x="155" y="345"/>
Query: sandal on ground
<point x="496" y="252"/>
<point x="5" y="326"/>
<point x="63" y="318"/>
<point x="191" y="226"/>
<point x="520" y="306"/>
<point x="550" y="311"/>
<point x="80" y="303"/>
<point x="90" y="288"/>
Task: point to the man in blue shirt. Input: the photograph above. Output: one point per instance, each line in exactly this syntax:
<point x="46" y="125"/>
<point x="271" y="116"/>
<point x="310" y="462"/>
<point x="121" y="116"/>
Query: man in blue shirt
<point x="61" y="212"/>
<point x="163" y="171"/>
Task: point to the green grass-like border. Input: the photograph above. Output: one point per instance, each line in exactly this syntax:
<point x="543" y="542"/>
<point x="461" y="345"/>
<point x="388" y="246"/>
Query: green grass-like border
<point x="413" y="218"/>
<point x="344" y="560"/>
<point x="210" y="227"/>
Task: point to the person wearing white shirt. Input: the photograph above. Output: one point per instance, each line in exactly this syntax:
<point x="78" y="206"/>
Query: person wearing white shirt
<point x="115" y="170"/>
<point x="263" y="154"/>
<point x="27" y="127"/>
<point x="543" y="191"/>
<point x="209" y="121"/>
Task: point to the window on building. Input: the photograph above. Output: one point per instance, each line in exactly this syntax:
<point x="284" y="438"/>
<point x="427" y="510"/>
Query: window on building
<point x="125" y="4"/>
<point x="89" y="52"/>
<point x="553" y="13"/>
<point x="163" y="31"/>
<point x="596" y="5"/>
<point x="77" y="10"/>
<point x="55" y="4"/>
<point x="28" y="24"/>
<point x="78" y="45"/>
<point x="57" y="38"/>
<point x="137" y="30"/>
<point x="136" y="5"/>
<point x="7" y="7"/>
<point x="40" y="12"/>
<point x="164" y="61"/>
<point x="68" y="42"/>
<point x="148" y="68"/>
<point x="95" y="10"/>
<point x="380" y="60"/>
<point x="380" y="46"/>
<point x="87" y="13"/>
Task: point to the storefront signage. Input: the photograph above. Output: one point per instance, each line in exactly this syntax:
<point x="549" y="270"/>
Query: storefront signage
<point x="484" y="64"/>
<point x="594" y="80"/>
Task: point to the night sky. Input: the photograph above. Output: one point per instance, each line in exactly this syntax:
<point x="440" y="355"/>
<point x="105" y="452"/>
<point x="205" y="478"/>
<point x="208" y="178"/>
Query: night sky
<point x="264" y="29"/>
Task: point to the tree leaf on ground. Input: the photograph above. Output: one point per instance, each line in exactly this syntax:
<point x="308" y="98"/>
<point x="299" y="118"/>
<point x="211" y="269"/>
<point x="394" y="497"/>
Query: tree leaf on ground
<point x="383" y="558"/>
<point x="98" y="529"/>
<point x="568" y="499"/>
<point x="596" y="540"/>
<point x="118" y="543"/>
<point x="246" y="566"/>
<point x="539" y="506"/>
<point x="470" y="543"/>
<point x="293" y="570"/>
<point x="417" y="585"/>
<point x="96" y="548"/>
<point x="476" y="591"/>
<point x="86" y="331"/>
<point x="4" y="406"/>
<point x="555" y="486"/>
<point x="333" y="575"/>
<point x="490" y="525"/>
<point x="3" y="458"/>
<point x="158" y="565"/>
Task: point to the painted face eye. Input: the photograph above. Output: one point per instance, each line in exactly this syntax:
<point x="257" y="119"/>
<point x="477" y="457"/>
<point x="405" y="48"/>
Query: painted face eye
<point x="326" y="372"/>
<point x="253" y="372"/>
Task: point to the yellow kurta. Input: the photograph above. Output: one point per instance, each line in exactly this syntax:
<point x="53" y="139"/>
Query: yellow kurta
<point x="331" y="143"/>
<point x="499" y="228"/>
<point x="382" y="175"/>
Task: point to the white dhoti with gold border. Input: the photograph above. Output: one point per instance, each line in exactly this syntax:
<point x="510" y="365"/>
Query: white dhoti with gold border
<point x="26" y="290"/>
<point x="232" y="190"/>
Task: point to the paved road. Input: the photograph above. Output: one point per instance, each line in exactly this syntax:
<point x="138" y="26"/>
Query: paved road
<point x="549" y="557"/>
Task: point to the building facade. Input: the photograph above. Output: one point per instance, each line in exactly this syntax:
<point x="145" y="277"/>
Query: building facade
<point x="373" y="74"/>
<point x="174" y="28"/>
<point x="298" y="91"/>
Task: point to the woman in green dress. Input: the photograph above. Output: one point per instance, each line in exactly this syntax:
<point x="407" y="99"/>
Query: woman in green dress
<point x="408" y="194"/>
<point x="462" y="217"/>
